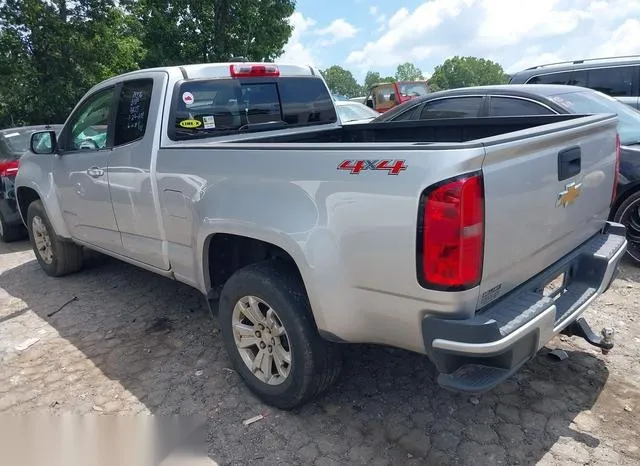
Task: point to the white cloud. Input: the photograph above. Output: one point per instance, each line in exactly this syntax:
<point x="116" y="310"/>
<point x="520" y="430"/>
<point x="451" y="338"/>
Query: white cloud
<point x="516" y="34"/>
<point x="508" y="22"/>
<point x="403" y="27"/>
<point x="295" y="51"/>
<point x="337" y="31"/>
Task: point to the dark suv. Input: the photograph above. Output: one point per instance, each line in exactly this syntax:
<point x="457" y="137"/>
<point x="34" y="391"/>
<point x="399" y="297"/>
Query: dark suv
<point x="618" y="77"/>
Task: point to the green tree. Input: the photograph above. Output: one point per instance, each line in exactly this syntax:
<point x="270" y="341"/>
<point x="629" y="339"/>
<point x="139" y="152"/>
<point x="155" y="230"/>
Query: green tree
<point x="55" y="50"/>
<point x="467" y="71"/>
<point x="408" y="72"/>
<point x="341" y="81"/>
<point x="204" y="31"/>
<point x="373" y="77"/>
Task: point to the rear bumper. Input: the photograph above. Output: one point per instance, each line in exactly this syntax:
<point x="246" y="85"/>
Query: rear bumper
<point x="477" y="354"/>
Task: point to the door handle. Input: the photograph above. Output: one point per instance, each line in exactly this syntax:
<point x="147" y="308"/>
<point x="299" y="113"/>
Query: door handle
<point x="95" y="172"/>
<point x="569" y="163"/>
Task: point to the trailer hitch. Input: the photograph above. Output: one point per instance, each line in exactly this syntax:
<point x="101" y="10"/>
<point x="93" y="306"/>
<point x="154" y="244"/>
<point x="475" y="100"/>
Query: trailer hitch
<point x="580" y="328"/>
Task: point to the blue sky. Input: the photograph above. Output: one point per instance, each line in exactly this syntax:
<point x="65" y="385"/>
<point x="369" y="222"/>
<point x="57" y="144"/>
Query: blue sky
<point x="363" y="35"/>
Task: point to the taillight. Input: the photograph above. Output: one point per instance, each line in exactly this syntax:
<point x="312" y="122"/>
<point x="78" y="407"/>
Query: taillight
<point x="451" y="234"/>
<point x="616" y="176"/>
<point x="10" y="168"/>
<point x="247" y="70"/>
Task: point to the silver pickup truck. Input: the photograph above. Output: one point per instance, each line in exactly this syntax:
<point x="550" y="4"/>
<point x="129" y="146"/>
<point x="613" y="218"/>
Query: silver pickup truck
<point x="472" y="241"/>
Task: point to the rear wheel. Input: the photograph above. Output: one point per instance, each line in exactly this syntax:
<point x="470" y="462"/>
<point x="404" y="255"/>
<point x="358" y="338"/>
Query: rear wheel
<point x="629" y="215"/>
<point x="271" y="338"/>
<point x="9" y="233"/>
<point x="56" y="256"/>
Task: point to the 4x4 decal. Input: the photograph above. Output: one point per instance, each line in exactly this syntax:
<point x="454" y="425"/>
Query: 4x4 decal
<point x="393" y="167"/>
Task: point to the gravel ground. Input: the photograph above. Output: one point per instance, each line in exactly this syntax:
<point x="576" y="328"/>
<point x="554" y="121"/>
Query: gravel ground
<point x="133" y="342"/>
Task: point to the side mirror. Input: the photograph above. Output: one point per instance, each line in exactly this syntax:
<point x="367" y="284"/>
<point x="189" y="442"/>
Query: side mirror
<point x="369" y="103"/>
<point x="43" y="142"/>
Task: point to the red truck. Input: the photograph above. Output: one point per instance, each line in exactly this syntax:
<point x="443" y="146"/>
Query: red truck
<point x="384" y="96"/>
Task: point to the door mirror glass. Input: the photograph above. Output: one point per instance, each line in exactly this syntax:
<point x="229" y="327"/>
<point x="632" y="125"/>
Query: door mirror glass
<point x="43" y="142"/>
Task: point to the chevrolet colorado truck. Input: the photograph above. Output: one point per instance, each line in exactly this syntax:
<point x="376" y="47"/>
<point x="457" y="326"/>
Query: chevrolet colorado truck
<point x="472" y="241"/>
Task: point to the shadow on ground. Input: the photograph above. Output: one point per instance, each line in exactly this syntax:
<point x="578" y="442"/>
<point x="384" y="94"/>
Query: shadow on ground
<point x="156" y="338"/>
<point x="15" y="246"/>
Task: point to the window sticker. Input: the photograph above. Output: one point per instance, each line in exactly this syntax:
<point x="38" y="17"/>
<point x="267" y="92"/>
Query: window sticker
<point x="209" y="122"/>
<point x="190" y="123"/>
<point x="187" y="98"/>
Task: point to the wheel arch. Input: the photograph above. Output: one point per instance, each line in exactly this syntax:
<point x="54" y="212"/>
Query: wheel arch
<point x="629" y="190"/>
<point x="224" y="253"/>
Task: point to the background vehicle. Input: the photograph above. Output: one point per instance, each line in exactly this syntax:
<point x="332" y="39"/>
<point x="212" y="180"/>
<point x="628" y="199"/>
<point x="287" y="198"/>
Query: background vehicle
<point x="521" y="100"/>
<point x="13" y="143"/>
<point x="618" y="77"/>
<point x="302" y="233"/>
<point x="339" y="97"/>
<point x="353" y="112"/>
<point x="384" y="96"/>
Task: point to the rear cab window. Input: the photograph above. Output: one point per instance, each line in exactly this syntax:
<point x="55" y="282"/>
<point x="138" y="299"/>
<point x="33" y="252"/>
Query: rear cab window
<point x="227" y="106"/>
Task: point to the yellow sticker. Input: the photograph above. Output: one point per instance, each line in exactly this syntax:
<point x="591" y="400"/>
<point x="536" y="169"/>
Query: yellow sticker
<point x="190" y="123"/>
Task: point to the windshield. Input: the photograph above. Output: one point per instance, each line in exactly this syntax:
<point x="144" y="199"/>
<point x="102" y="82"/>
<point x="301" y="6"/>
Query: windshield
<point x="355" y="111"/>
<point x="216" y="107"/>
<point x="413" y="89"/>
<point x="588" y="102"/>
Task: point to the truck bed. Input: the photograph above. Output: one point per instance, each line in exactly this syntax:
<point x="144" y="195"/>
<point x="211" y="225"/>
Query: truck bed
<point x="445" y="130"/>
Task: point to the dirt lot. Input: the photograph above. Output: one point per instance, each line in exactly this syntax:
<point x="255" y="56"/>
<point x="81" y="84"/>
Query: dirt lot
<point x="133" y="342"/>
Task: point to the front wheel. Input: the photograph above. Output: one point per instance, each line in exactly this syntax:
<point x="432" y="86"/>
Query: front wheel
<point x="271" y="338"/>
<point x="629" y="215"/>
<point x="56" y="256"/>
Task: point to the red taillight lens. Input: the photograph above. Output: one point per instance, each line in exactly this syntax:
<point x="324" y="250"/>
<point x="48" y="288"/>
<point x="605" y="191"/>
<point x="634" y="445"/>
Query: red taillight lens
<point x="453" y="234"/>
<point x="616" y="177"/>
<point x="9" y="168"/>
<point x="246" y="71"/>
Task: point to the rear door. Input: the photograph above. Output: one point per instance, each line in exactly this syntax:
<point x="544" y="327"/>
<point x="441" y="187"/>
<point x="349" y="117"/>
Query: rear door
<point x="547" y="190"/>
<point x="130" y="179"/>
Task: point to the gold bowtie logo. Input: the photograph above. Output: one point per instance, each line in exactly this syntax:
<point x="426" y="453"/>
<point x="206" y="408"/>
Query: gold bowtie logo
<point x="571" y="192"/>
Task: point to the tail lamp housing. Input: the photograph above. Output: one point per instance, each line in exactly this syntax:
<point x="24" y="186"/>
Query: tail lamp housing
<point x="450" y="239"/>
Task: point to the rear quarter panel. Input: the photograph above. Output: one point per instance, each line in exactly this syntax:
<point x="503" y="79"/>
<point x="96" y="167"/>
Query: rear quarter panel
<point x="353" y="237"/>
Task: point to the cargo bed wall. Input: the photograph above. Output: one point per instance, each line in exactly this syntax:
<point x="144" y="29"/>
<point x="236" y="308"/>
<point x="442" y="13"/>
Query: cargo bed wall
<point x="444" y="130"/>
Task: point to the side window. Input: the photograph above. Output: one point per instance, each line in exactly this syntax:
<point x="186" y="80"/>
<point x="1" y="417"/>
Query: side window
<point x="616" y="82"/>
<point x="133" y="111"/>
<point x="553" y="78"/>
<point x="383" y="94"/>
<point x="507" y="106"/>
<point x="578" y="78"/>
<point x="456" y="107"/>
<point x="408" y="115"/>
<point x="89" y="126"/>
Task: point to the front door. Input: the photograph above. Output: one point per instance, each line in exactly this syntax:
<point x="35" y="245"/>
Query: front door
<point x="80" y="172"/>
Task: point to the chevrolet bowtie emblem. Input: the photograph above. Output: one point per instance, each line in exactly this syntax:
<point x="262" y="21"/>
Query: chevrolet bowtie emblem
<point x="571" y="192"/>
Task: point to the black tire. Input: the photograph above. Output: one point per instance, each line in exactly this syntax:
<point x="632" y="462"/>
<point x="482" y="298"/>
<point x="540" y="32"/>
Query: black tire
<point x="629" y="215"/>
<point x="10" y="233"/>
<point x="66" y="256"/>
<point x="315" y="362"/>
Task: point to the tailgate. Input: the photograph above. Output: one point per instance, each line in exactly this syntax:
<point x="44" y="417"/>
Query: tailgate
<point x="547" y="190"/>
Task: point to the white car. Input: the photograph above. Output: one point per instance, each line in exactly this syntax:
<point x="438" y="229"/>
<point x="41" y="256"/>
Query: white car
<point x="353" y="112"/>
